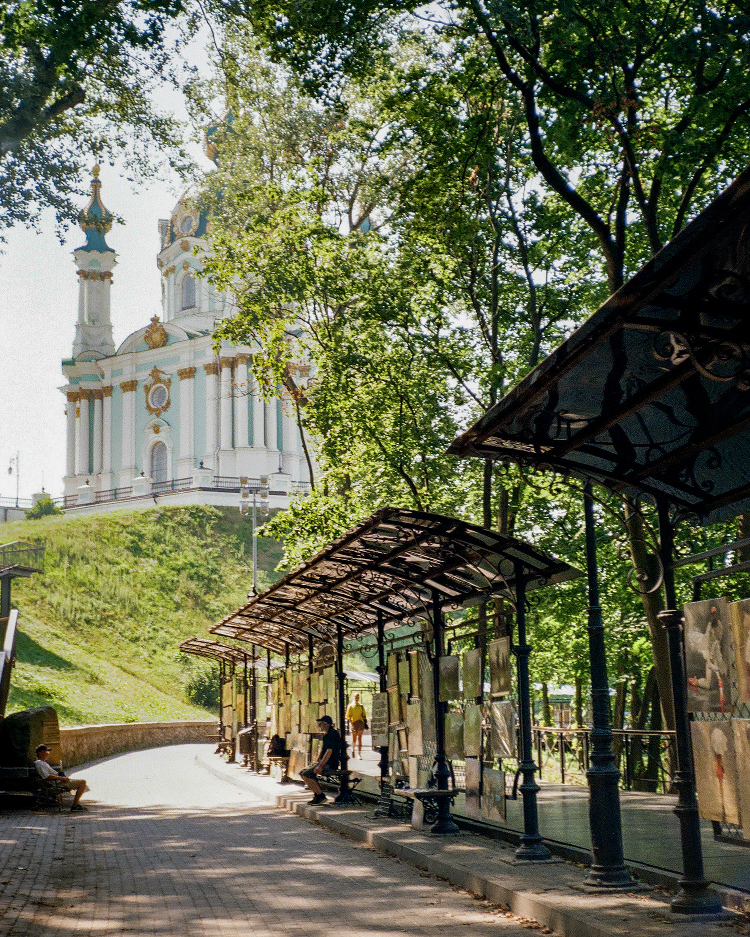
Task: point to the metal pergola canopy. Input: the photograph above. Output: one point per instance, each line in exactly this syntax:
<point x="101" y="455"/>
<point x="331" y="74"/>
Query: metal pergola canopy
<point x="389" y="566"/>
<point x="214" y="650"/>
<point x="652" y="393"/>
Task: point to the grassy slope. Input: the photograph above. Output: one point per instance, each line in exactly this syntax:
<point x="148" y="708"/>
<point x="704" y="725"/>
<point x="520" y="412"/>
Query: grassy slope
<point x="99" y="630"/>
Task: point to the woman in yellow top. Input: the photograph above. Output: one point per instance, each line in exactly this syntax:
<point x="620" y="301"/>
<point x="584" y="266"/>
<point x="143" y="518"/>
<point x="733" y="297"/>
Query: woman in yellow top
<point x="357" y="720"/>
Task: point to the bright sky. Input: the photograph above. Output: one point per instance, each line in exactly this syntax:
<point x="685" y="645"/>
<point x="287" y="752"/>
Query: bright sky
<point x="39" y="290"/>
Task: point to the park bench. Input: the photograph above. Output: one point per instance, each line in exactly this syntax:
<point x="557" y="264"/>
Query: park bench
<point x="332" y="781"/>
<point x="26" y="783"/>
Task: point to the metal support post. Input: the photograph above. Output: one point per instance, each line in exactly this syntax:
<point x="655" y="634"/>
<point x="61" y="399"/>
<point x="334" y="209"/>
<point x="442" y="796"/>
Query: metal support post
<point x="605" y="821"/>
<point x="383" y="764"/>
<point x="344" y="795"/>
<point x="444" y="823"/>
<point x="530" y="845"/>
<point x="695" y="895"/>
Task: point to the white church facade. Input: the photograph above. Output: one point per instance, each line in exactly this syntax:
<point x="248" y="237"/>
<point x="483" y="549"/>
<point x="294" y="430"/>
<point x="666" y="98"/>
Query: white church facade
<point x="165" y="418"/>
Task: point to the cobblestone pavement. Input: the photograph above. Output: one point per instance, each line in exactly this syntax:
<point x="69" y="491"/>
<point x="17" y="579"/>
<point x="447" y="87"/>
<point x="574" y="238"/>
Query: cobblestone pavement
<point x="169" y="850"/>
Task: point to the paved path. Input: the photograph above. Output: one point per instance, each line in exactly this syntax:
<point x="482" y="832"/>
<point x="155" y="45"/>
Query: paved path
<point x="170" y="849"/>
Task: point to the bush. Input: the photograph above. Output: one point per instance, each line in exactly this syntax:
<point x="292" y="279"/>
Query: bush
<point x="202" y="687"/>
<point x="45" y="507"/>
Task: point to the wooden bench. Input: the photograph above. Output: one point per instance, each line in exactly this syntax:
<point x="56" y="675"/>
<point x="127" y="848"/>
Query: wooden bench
<point x="425" y="803"/>
<point x="333" y="780"/>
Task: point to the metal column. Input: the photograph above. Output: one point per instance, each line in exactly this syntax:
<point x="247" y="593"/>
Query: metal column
<point x="444" y="823"/>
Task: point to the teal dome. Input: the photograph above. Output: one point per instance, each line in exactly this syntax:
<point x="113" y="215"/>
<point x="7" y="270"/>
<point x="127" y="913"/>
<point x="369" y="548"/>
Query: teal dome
<point x="95" y="220"/>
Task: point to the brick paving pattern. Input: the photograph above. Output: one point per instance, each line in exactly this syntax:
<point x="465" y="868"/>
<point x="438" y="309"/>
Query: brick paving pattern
<point x="167" y="849"/>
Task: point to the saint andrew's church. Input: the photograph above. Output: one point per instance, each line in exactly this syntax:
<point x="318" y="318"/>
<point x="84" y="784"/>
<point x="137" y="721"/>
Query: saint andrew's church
<point x="163" y="417"/>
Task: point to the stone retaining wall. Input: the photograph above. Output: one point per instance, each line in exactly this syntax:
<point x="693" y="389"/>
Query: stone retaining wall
<point x="83" y="744"/>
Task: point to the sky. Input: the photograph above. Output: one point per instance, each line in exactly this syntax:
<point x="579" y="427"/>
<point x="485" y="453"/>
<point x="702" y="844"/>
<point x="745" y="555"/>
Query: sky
<point x="39" y="290"/>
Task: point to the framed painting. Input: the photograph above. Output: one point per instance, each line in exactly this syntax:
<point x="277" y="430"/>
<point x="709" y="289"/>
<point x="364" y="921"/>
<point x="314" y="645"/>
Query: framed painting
<point x="708" y="652"/>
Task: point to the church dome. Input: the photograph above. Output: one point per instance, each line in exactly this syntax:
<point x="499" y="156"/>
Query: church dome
<point x="187" y="221"/>
<point x="95" y="220"/>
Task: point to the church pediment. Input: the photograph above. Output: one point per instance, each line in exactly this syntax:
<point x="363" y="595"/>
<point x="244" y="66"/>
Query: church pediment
<point x="155" y="335"/>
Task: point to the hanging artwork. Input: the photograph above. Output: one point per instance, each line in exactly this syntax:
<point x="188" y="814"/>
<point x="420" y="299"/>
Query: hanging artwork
<point x="503" y="729"/>
<point x="414" y="726"/>
<point x="392" y="670"/>
<point x="493" y="795"/>
<point x="471" y="666"/>
<point x="304" y="717"/>
<point x="715" y="770"/>
<point x="708" y="650"/>
<point x="448" y="669"/>
<point x="413" y="772"/>
<point x="394" y="706"/>
<point x="473" y="782"/>
<point x="329" y="683"/>
<point x="299" y="680"/>
<point x="473" y="730"/>
<point x="498" y="655"/>
<point x="740" y="614"/>
<point x="404" y="676"/>
<point x="314" y="687"/>
<point x="741" y="729"/>
<point x="454" y="736"/>
<point x="414" y="673"/>
<point x="379" y="720"/>
<point x="289" y="681"/>
<point x="427" y="699"/>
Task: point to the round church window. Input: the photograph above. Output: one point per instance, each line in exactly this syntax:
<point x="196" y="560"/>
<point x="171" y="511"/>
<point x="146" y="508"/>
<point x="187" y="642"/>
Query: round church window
<point x="158" y="396"/>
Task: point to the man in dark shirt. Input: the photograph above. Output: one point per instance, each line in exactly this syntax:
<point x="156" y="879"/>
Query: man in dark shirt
<point x="330" y="753"/>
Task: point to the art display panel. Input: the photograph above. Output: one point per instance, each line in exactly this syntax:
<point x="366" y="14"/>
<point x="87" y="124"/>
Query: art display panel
<point x="392" y="665"/>
<point x="740" y="615"/>
<point x="404" y="676"/>
<point x="314" y="687"/>
<point x="329" y="683"/>
<point x="414" y="674"/>
<point x="471" y="672"/>
<point x="394" y="706"/>
<point x="741" y="729"/>
<point x="379" y="720"/>
<point x="708" y="652"/>
<point x="454" y="736"/>
<point x="473" y="788"/>
<point x="498" y="655"/>
<point x="414" y="727"/>
<point x="715" y="770"/>
<point x="503" y="729"/>
<point x="473" y="730"/>
<point x="493" y="795"/>
<point x="448" y="670"/>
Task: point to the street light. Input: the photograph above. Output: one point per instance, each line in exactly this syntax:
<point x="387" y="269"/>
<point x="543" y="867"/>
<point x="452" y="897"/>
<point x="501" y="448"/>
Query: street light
<point x="14" y="462"/>
<point x="259" y="494"/>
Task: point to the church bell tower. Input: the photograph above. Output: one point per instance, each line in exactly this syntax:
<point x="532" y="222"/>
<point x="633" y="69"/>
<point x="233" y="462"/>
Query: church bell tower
<point x="95" y="261"/>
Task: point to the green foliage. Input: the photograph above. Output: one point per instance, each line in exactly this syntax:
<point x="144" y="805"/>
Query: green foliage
<point x="202" y="687"/>
<point x="45" y="507"/>
<point x="99" y="630"/>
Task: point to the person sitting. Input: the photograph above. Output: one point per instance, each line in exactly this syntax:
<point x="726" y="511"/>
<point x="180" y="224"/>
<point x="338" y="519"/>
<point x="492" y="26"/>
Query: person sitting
<point x="55" y="776"/>
<point x="330" y="753"/>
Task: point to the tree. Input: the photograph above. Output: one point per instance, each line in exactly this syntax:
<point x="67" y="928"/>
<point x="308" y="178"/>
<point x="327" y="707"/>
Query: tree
<point x="76" y="82"/>
<point x="44" y="507"/>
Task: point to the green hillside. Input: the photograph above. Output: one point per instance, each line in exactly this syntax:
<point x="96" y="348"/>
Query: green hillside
<point x="99" y="629"/>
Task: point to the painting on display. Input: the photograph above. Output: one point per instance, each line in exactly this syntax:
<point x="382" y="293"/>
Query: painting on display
<point x="473" y="782"/>
<point x="498" y="655"/>
<point x="708" y="650"/>
<point x="287" y="713"/>
<point x="741" y="729"/>
<point x="304" y="717"/>
<point x="392" y="670"/>
<point x="289" y="680"/>
<point x="448" y="669"/>
<point x="379" y="720"/>
<point x="299" y="680"/>
<point x="414" y="674"/>
<point x="414" y="727"/>
<point x="404" y="675"/>
<point x="473" y="730"/>
<point x="394" y="706"/>
<point x="314" y="687"/>
<point x="413" y="772"/>
<point x="454" y="736"/>
<point x="503" y="729"/>
<point x="471" y="667"/>
<point x="493" y="795"/>
<point x="740" y="615"/>
<point x="715" y="770"/>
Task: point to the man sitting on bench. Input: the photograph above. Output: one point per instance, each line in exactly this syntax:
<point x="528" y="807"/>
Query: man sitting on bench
<point x="330" y="753"/>
<point x="50" y="774"/>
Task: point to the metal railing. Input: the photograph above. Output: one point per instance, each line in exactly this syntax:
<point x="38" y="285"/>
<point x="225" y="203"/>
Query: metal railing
<point x="175" y="484"/>
<point x="23" y="504"/>
<point x="109" y="494"/>
<point x="643" y="758"/>
<point x="23" y="555"/>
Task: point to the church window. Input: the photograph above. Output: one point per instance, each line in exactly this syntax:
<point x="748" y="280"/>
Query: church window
<point x="188" y="292"/>
<point x="158" y="396"/>
<point x="159" y="463"/>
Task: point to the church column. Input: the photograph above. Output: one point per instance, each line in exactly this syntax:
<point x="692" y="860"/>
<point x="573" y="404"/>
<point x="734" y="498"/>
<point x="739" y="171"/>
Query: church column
<point x="185" y="464"/>
<point x="259" y="420"/>
<point x="271" y="424"/>
<point x="96" y="442"/>
<point x="212" y="381"/>
<point x="70" y="451"/>
<point x="127" y="461"/>
<point x="241" y="390"/>
<point x="107" y="435"/>
<point x="225" y="418"/>
<point x="82" y="455"/>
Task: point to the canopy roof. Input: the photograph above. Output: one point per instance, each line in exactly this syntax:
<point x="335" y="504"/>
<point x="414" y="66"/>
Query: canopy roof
<point x="214" y="650"/>
<point x="392" y="563"/>
<point x="651" y="394"/>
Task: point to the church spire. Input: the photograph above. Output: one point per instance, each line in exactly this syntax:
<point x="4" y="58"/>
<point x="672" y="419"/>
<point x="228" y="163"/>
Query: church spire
<point x="95" y="261"/>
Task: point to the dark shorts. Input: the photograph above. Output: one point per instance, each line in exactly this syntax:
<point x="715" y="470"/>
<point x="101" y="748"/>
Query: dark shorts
<point x="309" y="771"/>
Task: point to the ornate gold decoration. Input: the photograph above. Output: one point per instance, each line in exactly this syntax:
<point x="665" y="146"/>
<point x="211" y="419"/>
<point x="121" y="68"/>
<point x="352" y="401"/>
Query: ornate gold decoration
<point x="98" y="395"/>
<point x="158" y="378"/>
<point x="184" y="245"/>
<point x="242" y="358"/>
<point x="166" y="273"/>
<point x="185" y="265"/>
<point x="225" y="362"/>
<point x="128" y="386"/>
<point x="160" y="263"/>
<point x="107" y="391"/>
<point x="211" y="368"/>
<point x="72" y="396"/>
<point x="185" y="374"/>
<point x="157" y="428"/>
<point x="185" y="219"/>
<point x="84" y="394"/>
<point x="170" y="268"/>
<point x="155" y="335"/>
<point x="78" y="411"/>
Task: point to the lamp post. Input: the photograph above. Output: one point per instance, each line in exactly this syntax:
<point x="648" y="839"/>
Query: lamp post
<point x="259" y="494"/>
<point x="14" y="463"/>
